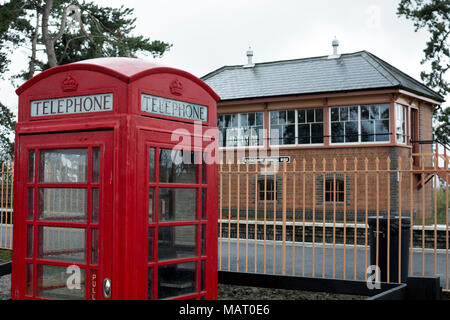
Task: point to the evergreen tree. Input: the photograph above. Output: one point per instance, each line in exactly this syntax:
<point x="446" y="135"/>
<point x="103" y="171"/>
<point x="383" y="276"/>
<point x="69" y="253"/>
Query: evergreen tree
<point x="434" y="16"/>
<point x="7" y="125"/>
<point x="58" y="32"/>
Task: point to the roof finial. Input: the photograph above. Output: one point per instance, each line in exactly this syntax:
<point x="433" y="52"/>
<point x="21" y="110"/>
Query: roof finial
<point x="335" y="44"/>
<point x="249" y="58"/>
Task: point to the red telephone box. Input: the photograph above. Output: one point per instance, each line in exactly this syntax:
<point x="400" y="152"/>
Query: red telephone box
<point x="115" y="184"/>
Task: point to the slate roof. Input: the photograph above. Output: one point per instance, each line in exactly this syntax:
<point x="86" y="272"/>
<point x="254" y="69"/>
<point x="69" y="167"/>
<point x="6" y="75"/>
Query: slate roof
<point x="354" y="71"/>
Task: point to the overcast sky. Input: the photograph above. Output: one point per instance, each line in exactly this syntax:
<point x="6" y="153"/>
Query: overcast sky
<point x="208" y="34"/>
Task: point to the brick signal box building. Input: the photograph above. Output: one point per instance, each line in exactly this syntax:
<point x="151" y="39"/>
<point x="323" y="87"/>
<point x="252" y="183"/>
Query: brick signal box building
<point x="325" y="109"/>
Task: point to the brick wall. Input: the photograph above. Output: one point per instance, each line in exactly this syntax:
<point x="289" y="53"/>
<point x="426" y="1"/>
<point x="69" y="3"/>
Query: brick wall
<point x="371" y="192"/>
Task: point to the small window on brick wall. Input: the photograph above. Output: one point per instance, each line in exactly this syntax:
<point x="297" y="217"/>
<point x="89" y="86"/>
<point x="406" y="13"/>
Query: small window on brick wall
<point x="266" y="190"/>
<point x="334" y="190"/>
<point x="330" y="188"/>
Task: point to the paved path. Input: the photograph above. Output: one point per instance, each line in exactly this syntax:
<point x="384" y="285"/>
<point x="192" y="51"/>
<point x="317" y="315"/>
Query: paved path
<point x="318" y="258"/>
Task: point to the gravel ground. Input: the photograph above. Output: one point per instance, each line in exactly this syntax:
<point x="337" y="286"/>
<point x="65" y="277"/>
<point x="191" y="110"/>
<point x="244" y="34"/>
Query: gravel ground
<point x="231" y="292"/>
<point x="5" y="287"/>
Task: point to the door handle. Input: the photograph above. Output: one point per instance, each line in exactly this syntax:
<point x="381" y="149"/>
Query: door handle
<point x="107" y="288"/>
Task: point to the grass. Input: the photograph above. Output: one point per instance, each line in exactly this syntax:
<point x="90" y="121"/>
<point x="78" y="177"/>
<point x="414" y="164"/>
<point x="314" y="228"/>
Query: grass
<point x="442" y="211"/>
<point x="5" y="255"/>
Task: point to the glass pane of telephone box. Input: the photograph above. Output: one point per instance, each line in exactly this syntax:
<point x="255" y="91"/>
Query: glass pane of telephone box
<point x="175" y="280"/>
<point x="62" y="244"/>
<point x="31" y="166"/>
<point x="176" y="204"/>
<point x="177" y="166"/>
<point x="95" y="164"/>
<point x="62" y="204"/>
<point x="63" y="165"/>
<point x="53" y="282"/>
<point x="176" y="242"/>
<point x="29" y="282"/>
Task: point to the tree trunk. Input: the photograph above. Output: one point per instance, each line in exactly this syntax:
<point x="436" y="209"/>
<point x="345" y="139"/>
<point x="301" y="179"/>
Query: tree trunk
<point x="48" y="41"/>
<point x="32" y="64"/>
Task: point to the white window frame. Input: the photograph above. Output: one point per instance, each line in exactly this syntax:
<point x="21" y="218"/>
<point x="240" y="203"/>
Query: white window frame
<point x="359" y="142"/>
<point x="239" y="131"/>
<point x="296" y="144"/>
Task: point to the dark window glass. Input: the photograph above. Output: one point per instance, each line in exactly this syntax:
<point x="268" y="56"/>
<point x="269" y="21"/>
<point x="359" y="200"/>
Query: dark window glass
<point x="382" y="127"/>
<point x="289" y="135"/>
<point x="301" y="116"/>
<point x="384" y="111"/>
<point x="176" y="242"/>
<point x="150" y="284"/>
<point x="177" y="279"/>
<point x="337" y="132"/>
<point x="365" y="113"/>
<point x="203" y="236"/>
<point x="95" y="164"/>
<point x="281" y="117"/>
<point x="304" y="134"/>
<point x="150" y="244"/>
<point x="310" y="115"/>
<point x="266" y="189"/>
<point x="343" y="113"/>
<point x="203" y="204"/>
<point x="151" y="165"/>
<point x="220" y="121"/>
<point x="334" y="114"/>
<point x="319" y="115"/>
<point x="259" y="118"/>
<point x="367" y="131"/>
<point x="374" y="112"/>
<point x="95" y="205"/>
<point x="317" y="133"/>
<point x="203" y="276"/>
<point x="351" y="131"/>
<point x="290" y="117"/>
<point x="353" y="113"/>
<point x="334" y="190"/>
<point x="251" y="119"/>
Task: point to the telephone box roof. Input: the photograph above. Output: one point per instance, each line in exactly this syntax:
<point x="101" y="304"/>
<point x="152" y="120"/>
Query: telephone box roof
<point x="125" y="69"/>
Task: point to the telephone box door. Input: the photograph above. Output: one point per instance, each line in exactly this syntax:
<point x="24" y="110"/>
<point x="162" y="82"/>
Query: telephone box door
<point x="177" y="220"/>
<point x="65" y="198"/>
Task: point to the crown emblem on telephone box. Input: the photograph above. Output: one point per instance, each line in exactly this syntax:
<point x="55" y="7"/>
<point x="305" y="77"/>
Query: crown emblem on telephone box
<point x="176" y="87"/>
<point x="69" y="83"/>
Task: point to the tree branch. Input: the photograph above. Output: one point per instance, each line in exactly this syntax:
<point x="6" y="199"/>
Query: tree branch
<point x="71" y="8"/>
